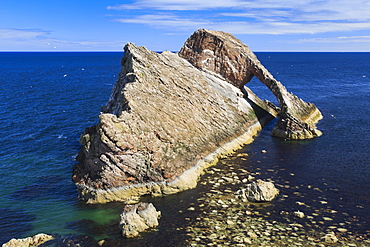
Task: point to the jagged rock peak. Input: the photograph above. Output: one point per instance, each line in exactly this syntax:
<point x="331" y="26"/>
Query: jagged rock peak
<point x="227" y="56"/>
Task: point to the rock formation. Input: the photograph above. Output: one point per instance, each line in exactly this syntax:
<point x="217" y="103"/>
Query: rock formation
<point x="30" y="241"/>
<point x="259" y="191"/>
<point x="165" y="122"/>
<point x="171" y="115"/>
<point x="138" y="218"/>
<point x="223" y="54"/>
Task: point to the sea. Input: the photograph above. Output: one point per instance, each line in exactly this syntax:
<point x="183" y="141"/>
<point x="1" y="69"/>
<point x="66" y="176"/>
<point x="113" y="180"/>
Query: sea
<point x="49" y="98"/>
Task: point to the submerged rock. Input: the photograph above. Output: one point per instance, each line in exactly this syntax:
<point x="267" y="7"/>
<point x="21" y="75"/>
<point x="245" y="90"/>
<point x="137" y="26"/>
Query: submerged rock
<point x="137" y="218"/>
<point x="223" y="54"/>
<point x="259" y="191"/>
<point x="298" y="214"/>
<point x="330" y="238"/>
<point x="30" y="241"/>
<point x="165" y="122"/>
<point x="72" y="240"/>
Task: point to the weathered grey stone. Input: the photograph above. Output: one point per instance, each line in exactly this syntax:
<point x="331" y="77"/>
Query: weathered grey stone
<point x="30" y="241"/>
<point x="138" y="218"/>
<point x="259" y="191"/>
<point x="223" y="54"/>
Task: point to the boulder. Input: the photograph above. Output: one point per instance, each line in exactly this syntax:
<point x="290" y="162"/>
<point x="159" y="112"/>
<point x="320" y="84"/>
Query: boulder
<point x="330" y="238"/>
<point x="138" y="218"/>
<point x="298" y="214"/>
<point x="30" y="241"/>
<point x="259" y="191"/>
<point x="164" y="123"/>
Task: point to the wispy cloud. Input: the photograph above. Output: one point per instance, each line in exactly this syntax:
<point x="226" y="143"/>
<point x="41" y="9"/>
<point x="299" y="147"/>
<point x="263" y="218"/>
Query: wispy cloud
<point x="19" y="34"/>
<point x="22" y="39"/>
<point x="252" y="17"/>
<point x="343" y="39"/>
<point x="165" y="21"/>
<point x="180" y="4"/>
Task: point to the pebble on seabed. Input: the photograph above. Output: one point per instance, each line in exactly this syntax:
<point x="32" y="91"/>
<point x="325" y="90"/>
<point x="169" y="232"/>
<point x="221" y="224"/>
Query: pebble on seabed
<point x="299" y="214"/>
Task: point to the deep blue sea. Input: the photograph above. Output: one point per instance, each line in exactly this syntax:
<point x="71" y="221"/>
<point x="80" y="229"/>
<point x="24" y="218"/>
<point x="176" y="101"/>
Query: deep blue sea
<point x="48" y="99"/>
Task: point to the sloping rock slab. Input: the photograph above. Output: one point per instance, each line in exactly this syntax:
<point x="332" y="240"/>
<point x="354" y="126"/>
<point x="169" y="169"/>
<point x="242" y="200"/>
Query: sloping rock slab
<point x="164" y="123"/>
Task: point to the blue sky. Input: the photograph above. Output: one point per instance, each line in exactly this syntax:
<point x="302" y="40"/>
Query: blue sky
<point x="105" y="25"/>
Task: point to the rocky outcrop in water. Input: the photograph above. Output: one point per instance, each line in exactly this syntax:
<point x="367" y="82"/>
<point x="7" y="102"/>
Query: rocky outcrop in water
<point x="138" y="218"/>
<point x="30" y="241"/>
<point x="259" y="191"/>
<point x="169" y="117"/>
<point x="223" y="54"/>
<point x="165" y="122"/>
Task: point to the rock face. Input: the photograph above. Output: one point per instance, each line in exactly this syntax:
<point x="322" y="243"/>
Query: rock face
<point x="30" y="241"/>
<point x="165" y="122"/>
<point x="223" y="54"/>
<point x="259" y="191"/>
<point x="137" y="218"/>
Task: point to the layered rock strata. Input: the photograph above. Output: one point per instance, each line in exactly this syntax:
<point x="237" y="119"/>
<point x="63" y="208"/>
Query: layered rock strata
<point x="223" y="54"/>
<point x="165" y="122"/>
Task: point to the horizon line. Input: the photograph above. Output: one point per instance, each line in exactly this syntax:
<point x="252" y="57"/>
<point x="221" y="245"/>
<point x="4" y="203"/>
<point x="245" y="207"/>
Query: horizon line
<point x="53" y="51"/>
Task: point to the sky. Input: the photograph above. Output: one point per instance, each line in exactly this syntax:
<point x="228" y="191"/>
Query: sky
<point x="105" y="25"/>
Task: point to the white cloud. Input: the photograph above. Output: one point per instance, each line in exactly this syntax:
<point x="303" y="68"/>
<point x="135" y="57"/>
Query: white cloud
<point x="343" y="39"/>
<point x="25" y="39"/>
<point x="252" y="16"/>
<point x="180" y="4"/>
<point x="19" y="34"/>
<point x="165" y="21"/>
<point x="321" y="8"/>
<point x="177" y="23"/>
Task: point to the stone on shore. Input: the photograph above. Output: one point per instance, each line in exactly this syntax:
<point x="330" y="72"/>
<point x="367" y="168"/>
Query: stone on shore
<point x="138" y="218"/>
<point x="259" y="191"/>
<point x="30" y="241"/>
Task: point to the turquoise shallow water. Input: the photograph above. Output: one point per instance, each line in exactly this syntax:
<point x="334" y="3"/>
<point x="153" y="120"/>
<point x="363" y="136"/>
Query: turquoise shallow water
<point x="48" y="99"/>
